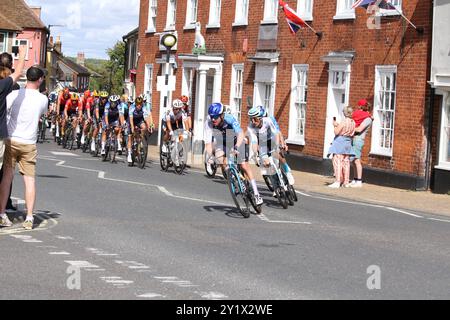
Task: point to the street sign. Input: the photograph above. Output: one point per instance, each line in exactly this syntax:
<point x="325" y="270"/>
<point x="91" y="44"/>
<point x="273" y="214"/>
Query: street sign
<point x="161" y="84"/>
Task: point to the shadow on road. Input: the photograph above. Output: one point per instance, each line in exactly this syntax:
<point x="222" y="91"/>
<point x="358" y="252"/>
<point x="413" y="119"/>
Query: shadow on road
<point x="231" y="212"/>
<point x="40" y="216"/>
<point x="51" y="176"/>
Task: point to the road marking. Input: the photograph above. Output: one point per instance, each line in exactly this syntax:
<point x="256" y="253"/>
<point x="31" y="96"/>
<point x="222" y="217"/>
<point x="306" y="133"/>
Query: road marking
<point x="442" y="220"/>
<point x="82" y="264"/>
<point x="66" y="154"/>
<point x="64" y="238"/>
<point x="212" y="295"/>
<point x="101" y="175"/>
<point x="404" y="212"/>
<point x="62" y="253"/>
<point x="150" y="295"/>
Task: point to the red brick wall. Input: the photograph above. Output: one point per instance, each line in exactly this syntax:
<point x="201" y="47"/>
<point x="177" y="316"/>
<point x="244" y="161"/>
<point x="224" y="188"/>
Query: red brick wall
<point x="396" y="43"/>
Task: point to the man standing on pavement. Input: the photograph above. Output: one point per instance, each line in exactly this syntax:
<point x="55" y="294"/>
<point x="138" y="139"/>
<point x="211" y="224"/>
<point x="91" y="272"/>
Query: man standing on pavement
<point x="6" y="86"/>
<point x="25" y="108"/>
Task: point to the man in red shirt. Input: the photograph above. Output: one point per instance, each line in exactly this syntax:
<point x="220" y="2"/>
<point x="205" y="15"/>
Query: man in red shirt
<point x="87" y="103"/>
<point x="71" y="111"/>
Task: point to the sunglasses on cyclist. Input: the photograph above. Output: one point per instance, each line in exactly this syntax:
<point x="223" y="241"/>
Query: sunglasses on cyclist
<point x="215" y="118"/>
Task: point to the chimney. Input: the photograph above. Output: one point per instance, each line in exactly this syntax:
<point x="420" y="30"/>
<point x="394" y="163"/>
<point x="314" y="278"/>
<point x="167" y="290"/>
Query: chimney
<point x="36" y="11"/>
<point x="80" y="58"/>
<point x="58" y="44"/>
<point x="50" y="41"/>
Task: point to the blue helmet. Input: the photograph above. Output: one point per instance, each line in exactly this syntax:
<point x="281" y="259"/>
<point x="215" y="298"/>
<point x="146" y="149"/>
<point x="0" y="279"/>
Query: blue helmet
<point x="216" y="109"/>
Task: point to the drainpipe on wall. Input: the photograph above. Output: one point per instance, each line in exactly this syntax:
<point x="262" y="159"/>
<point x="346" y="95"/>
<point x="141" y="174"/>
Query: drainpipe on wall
<point x="429" y="141"/>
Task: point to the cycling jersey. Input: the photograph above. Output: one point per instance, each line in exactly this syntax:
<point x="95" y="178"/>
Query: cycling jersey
<point x="72" y="108"/>
<point x="112" y="112"/>
<point x="228" y="123"/>
<point x="124" y="111"/>
<point x="265" y="135"/>
<point x="139" y="114"/>
<point x="87" y="103"/>
<point x="62" y="104"/>
<point x="101" y="108"/>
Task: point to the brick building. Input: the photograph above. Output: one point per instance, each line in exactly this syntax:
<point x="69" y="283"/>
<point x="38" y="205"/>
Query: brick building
<point x="304" y="80"/>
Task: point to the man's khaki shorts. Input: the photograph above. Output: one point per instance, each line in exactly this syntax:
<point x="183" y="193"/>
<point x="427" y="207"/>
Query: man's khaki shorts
<point x="2" y="151"/>
<point x="23" y="154"/>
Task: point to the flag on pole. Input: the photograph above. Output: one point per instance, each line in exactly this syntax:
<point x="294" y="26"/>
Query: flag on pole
<point x="294" y="21"/>
<point x="382" y="4"/>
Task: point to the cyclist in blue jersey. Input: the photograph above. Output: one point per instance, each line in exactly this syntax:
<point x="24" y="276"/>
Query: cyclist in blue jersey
<point x="99" y="111"/>
<point x="111" y="120"/>
<point x="283" y="145"/>
<point x="216" y="127"/>
<point x="140" y="117"/>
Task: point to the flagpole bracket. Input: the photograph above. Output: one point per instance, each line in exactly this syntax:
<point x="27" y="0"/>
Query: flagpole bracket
<point x="319" y="34"/>
<point x="420" y="30"/>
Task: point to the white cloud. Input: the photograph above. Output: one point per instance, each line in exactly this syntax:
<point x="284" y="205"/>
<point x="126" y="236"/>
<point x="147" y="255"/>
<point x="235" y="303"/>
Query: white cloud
<point x="90" y="26"/>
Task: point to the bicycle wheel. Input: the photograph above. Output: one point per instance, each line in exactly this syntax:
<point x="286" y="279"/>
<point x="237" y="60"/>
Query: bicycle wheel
<point x="180" y="163"/>
<point x="268" y="183"/>
<point x="239" y="198"/>
<point x="143" y="152"/>
<point x="113" y="149"/>
<point x="210" y="169"/>
<point x="164" y="158"/>
<point x="251" y="197"/>
<point x="282" y="197"/>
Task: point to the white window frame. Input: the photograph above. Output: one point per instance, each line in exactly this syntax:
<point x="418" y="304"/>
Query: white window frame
<point x="152" y="13"/>
<point x="305" y="9"/>
<point x="171" y="14"/>
<point x="397" y="4"/>
<point x="380" y="110"/>
<point x="344" y="10"/>
<point x="299" y="95"/>
<point x="270" y="12"/>
<point x="215" y="10"/>
<point x="241" y="13"/>
<point x="16" y="43"/>
<point x="444" y="136"/>
<point x="191" y="12"/>
<point x="148" y="83"/>
<point x="5" y="42"/>
<point x="237" y="88"/>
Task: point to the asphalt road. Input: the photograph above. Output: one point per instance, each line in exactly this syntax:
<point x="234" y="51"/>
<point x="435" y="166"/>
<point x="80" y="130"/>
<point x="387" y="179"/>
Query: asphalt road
<point x="106" y="231"/>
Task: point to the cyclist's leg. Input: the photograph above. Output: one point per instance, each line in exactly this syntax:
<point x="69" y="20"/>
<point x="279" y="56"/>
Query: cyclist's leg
<point x="103" y="124"/>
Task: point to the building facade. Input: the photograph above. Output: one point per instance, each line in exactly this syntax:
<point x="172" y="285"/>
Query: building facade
<point x="131" y="60"/>
<point x="440" y="82"/>
<point x="303" y="80"/>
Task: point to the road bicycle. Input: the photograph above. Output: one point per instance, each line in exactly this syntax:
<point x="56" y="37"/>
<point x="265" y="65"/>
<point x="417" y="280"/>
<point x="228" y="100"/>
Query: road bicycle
<point x="111" y="145"/>
<point x="139" y="148"/>
<point x="174" y="152"/>
<point x="240" y="188"/>
<point x="42" y="128"/>
<point x="284" y="192"/>
<point x="69" y="137"/>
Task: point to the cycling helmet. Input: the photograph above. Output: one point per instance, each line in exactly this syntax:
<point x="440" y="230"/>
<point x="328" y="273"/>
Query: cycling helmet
<point x="130" y="100"/>
<point x="114" y="98"/>
<point x="184" y="99"/>
<point x="52" y="97"/>
<point x="216" y="109"/>
<point x="74" y="97"/>
<point x="139" y="101"/>
<point x="96" y="94"/>
<point x="87" y="93"/>
<point x="143" y="97"/>
<point x="263" y="112"/>
<point x="104" y="94"/>
<point x="177" y="104"/>
<point x="256" y="112"/>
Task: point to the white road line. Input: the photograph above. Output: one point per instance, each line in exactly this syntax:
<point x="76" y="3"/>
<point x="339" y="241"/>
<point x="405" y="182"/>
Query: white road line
<point x="212" y="295"/>
<point x="404" y="212"/>
<point x="62" y="253"/>
<point x="82" y="264"/>
<point x="441" y="220"/>
<point x="150" y="295"/>
<point x="67" y="154"/>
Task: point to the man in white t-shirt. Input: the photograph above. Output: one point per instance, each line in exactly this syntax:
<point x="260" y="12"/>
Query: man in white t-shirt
<point x="25" y="108"/>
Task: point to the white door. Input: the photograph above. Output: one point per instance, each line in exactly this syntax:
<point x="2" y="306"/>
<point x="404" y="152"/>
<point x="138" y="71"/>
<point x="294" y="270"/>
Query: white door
<point x="338" y="97"/>
<point x="209" y="94"/>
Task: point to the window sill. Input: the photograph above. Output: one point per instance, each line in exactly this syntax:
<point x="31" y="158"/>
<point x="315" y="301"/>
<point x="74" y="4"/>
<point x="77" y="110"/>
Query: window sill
<point x="213" y="26"/>
<point x="345" y="16"/>
<point x="150" y="31"/>
<point x="240" y="24"/>
<point x="443" y="166"/>
<point x="298" y="142"/>
<point x="168" y="29"/>
<point x="306" y="17"/>
<point x="381" y="153"/>
<point x="269" y="22"/>
<point x="388" y="13"/>
<point x="189" y="27"/>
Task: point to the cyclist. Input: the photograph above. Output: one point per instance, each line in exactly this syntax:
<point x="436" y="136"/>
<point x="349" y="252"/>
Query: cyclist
<point x="284" y="166"/>
<point x="140" y="117"/>
<point x="187" y="111"/>
<point x="98" y="116"/>
<point x="111" y="120"/>
<point x="63" y="98"/>
<point x="87" y="102"/>
<point x="124" y="116"/>
<point x="72" y="112"/>
<point x="175" y="119"/>
<point x="215" y="130"/>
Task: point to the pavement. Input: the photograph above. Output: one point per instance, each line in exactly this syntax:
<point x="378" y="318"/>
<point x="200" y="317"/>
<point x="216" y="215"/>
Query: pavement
<point x="421" y="201"/>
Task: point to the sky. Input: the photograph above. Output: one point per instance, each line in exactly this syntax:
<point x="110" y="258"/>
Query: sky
<point x="90" y="26"/>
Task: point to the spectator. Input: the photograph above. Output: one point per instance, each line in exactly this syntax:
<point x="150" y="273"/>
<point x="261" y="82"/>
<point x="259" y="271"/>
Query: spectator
<point x="4" y="73"/>
<point x="6" y="60"/>
<point x="342" y="149"/>
<point x="6" y="86"/>
<point x="25" y="107"/>
<point x="363" y="121"/>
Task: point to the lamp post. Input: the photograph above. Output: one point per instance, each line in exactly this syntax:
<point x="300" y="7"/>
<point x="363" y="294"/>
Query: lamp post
<point x="168" y="41"/>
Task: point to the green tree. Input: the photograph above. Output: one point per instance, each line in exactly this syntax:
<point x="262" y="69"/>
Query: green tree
<point x="115" y="67"/>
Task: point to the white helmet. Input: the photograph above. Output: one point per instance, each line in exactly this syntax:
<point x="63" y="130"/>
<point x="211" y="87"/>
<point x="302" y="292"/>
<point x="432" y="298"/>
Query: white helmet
<point x="177" y="104"/>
